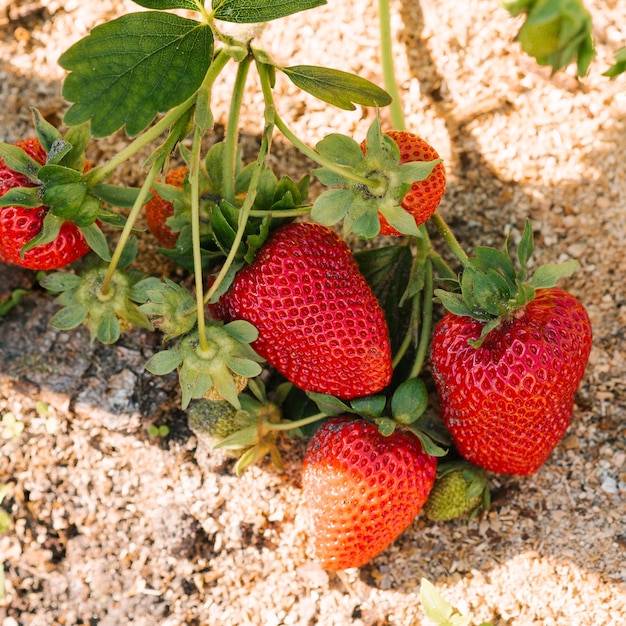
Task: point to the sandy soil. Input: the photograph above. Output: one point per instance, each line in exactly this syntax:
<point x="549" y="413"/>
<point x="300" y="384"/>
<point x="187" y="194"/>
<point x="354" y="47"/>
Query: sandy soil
<point x="110" y="526"/>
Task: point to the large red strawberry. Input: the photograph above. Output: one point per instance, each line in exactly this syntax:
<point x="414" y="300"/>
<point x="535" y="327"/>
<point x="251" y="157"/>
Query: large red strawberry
<point x="509" y="401"/>
<point x="319" y="323"/>
<point x="422" y="200"/>
<point x="362" y="489"/>
<point x="159" y="210"/>
<point x="18" y="225"/>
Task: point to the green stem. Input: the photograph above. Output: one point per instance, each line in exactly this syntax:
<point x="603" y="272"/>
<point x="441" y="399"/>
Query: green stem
<point x="305" y="421"/>
<point x="411" y="331"/>
<point x="296" y="212"/>
<point x="194" y="181"/>
<point x="448" y="236"/>
<point x="232" y="130"/>
<point x="442" y="267"/>
<point x="244" y="212"/>
<point x="130" y="222"/>
<point x="427" y="320"/>
<point x="389" y="75"/>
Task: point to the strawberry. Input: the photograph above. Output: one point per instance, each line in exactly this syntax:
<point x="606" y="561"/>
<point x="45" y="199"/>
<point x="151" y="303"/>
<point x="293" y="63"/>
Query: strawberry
<point x="18" y="225"/>
<point x="362" y="489"/>
<point x="422" y="200"/>
<point x="459" y="488"/>
<point x="158" y="210"/>
<point x="508" y="401"/>
<point x="319" y="323"/>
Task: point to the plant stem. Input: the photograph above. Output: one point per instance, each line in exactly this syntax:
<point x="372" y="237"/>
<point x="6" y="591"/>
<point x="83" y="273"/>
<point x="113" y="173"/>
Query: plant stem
<point x="297" y="424"/>
<point x="389" y="75"/>
<point x="231" y="140"/>
<point x="128" y="226"/>
<point x="448" y="236"/>
<point x="194" y="178"/>
<point x="427" y="320"/>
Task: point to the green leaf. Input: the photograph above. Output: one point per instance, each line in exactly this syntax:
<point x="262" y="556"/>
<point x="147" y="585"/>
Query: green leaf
<point x="128" y="70"/>
<point x="109" y="330"/>
<point x="27" y="197"/>
<point x="329" y="404"/>
<point x="97" y="241"/>
<point x="69" y="317"/>
<point x="331" y="206"/>
<point x="242" y="331"/>
<point x="549" y="274"/>
<point x="619" y="67"/>
<point x="164" y="5"/>
<point x="341" y="89"/>
<point x="371" y="406"/>
<point x="115" y="195"/>
<point x="409" y="401"/>
<point x="253" y="11"/>
<point x="163" y="362"/>
<point x="387" y="271"/>
<point x="340" y="149"/>
<point x="17" y="160"/>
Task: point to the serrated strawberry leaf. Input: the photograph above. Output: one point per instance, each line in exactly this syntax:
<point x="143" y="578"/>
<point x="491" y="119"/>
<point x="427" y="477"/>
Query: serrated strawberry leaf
<point x="341" y="89"/>
<point x="253" y="11"/>
<point x="164" y="5"/>
<point x="128" y="70"/>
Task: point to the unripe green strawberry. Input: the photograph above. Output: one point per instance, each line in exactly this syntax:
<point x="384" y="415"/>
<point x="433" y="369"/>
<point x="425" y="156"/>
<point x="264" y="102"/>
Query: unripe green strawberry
<point x="213" y="421"/>
<point x="460" y="490"/>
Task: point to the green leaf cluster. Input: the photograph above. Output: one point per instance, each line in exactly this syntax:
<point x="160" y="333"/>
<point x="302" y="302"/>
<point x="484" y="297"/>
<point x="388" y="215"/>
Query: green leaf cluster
<point x="366" y="184"/>
<point x="556" y="32"/>
<point x="492" y="288"/>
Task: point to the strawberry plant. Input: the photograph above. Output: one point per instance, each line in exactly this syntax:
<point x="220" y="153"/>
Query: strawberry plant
<point x="282" y="327"/>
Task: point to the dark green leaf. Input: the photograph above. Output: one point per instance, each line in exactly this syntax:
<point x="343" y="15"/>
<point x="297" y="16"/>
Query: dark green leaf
<point x="115" y="195"/>
<point x="164" y="5"/>
<point x="341" y="89"/>
<point x="58" y="175"/>
<point x="329" y="404"/>
<point x="371" y="406"/>
<point x="252" y="11"/>
<point x="491" y="292"/>
<point x="65" y="200"/>
<point x="387" y="271"/>
<point x="409" y="401"/>
<point x="27" y="197"/>
<point x="128" y="70"/>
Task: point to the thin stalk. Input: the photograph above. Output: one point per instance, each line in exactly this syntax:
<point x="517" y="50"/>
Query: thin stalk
<point x="305" y="421"/>
<point x="448" y="236"/>
<point x="389" y="74"/>
<point x="411" y="331"/>
<point x="232" y="130"/>
<point x="194" y="178"/>
<point x="128" y="226"/>
<point x="427" y="320"/>
<point x="296" y="212"/>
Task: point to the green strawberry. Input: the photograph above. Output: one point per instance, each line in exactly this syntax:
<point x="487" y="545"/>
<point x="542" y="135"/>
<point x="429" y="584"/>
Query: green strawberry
<point x="459" y="488"/>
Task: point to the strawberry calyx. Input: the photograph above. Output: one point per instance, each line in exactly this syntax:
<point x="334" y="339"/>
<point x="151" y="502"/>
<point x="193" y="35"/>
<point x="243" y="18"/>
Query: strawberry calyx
<point x="218" y="368"/>
<point x="493" y="290"/>
<point x="106" y="313"/>
<point x="366" y="185"/>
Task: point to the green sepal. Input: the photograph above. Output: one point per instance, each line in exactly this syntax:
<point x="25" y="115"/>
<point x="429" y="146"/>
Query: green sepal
<point x="47" y="134"/>
<point x="97" y="241"/>
<point x="65" y="200"/>
<point x="338" y="88"/>
<point x="386" y="426"/>
<point x="50" y="228"/>
<point x="109" y="329"/>
<point x="409" y="401"/>
<point x="242" y="331"/>
<point x="69" y="317"/>
<point x="19" y="161"/>
<point x="115" y="195"/>
<point x="60" y="281"/>
<point x="329" y="405"/>
<point x="164" y="362"/>
<point x="27" y="197"/>
<point x="370" y="406"/>
<point x="619" y="67"/>
<point x="340" y="149"/>
<point x="331" y="206"/>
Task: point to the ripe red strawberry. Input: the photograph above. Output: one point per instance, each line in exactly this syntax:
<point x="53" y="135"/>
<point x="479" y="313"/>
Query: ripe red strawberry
<point x="158" y="210"/>
<point x="509" y="402"/>
<point x="362" y="489"/>
<point x="424" y="197"/>
<point x="319" y="323"/>
<point x="18" y="225"/>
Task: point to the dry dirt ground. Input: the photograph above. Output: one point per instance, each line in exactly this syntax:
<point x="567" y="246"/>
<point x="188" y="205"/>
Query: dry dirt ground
<point x="110" y="526"/>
